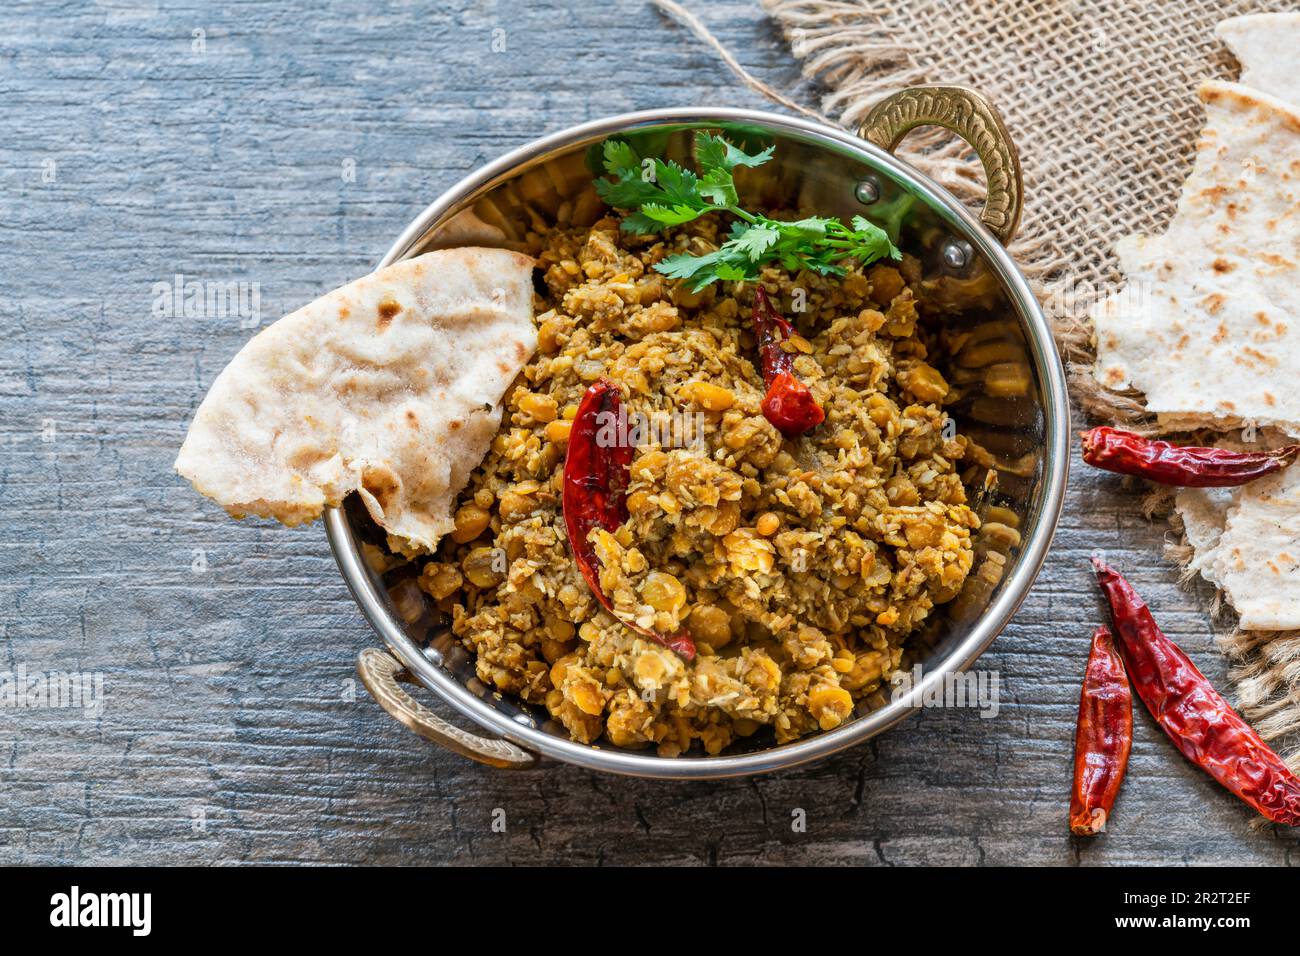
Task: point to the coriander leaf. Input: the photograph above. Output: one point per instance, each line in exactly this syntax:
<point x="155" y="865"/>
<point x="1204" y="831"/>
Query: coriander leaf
<point x="628" y="193"/>
<point x="680" y="186"/>
<point x="790" y="262"/>
<point x="806" y="230"/>
<point x="672" y="195"/>
<point x="826" y="268"/>
<point x="640" y="225"/>
<point x="711" y="152"/>
<point x="755" y="241"/>
<point x="671" y="215"/>
<point x="730" y="273"/>
<point x="685" y="266"/>
<point x="620" y="157"/>
<point x="714" y="152"/>
<point x="719" y="188"/>
<point x="866" y="241"/>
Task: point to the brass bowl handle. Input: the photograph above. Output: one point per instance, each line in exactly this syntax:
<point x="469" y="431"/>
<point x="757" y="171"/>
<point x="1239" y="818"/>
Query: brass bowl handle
<point x="972" y="117"/>
<point x="381" y="672"/>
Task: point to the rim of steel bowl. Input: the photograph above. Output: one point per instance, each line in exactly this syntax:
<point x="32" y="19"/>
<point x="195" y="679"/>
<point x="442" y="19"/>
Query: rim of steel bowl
<point x="982" y="632"/>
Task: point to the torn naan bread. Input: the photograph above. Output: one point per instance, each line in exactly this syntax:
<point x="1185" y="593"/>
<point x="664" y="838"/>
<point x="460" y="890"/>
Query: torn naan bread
<point x="1265" y="44"/>
<point x="1247" y="541"/>
<point x="390" y="387"/>
<point x="1208" y="325"/>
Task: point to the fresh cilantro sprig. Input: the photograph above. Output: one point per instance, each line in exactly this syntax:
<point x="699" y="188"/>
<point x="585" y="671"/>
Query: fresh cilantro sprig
<point x="662" y="194"/>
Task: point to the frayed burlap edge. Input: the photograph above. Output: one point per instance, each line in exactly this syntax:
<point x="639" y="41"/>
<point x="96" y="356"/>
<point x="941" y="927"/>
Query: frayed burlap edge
<point x="857" y="72"/>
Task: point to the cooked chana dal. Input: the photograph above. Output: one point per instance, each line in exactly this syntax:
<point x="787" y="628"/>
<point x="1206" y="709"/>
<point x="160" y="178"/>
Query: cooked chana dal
<point x="798" y="566"/>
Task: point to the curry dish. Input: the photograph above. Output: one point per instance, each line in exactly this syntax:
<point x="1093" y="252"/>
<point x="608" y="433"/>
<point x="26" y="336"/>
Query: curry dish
<point x="798" y="566"/>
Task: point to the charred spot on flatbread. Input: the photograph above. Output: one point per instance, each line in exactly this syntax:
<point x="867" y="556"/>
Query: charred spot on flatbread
<point x="386" y="311"/>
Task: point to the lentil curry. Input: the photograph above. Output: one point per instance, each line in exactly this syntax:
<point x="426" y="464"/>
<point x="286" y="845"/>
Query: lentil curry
<point x="799" y="566"/>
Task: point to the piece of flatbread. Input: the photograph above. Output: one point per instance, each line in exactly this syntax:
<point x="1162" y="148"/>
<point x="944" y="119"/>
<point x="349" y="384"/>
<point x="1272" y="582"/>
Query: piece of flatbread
<point x="390" y="386"/>
<point x="1266" y="46"/>
<point x="1203" y="361"/>
<point x="1208" y="325"/>
<point x="1257" y="559"/>
<point x="1204" y="512"/>
<point x="1247" y="541"/>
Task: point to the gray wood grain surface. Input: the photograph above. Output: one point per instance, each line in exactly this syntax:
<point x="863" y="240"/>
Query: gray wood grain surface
<point x="142" y="139"/>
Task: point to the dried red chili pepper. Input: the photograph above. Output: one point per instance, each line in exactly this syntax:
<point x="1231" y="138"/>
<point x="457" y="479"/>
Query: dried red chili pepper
<point x="595" y="482"/>
<point x="1187" y="466"/>
<point x="1195" y="716"/>
<point x="789" y="405"/>
<point x="1103" y="738"/>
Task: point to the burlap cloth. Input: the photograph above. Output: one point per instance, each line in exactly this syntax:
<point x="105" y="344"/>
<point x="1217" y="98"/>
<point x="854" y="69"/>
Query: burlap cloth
<point x="1101" y="100"/>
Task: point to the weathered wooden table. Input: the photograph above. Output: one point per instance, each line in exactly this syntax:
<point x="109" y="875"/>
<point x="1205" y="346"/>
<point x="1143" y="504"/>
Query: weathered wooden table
<point x="285" y="144"/>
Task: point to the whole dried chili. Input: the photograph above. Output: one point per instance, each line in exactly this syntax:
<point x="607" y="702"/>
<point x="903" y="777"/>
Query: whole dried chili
<point x="595" y="484"/>
<point x="788" y="405"/>
<point x="1103" y="738"/>
<point x="1186" y="466"/>
<point x="1195" y="716"/>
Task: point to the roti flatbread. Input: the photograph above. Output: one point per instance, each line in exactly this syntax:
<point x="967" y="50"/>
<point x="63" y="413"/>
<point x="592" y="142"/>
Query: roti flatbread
<point x="1257" y="559"/>
<point x="1208" y="326"/>
<point x="1204" y="512"/>
<point x="389" y="386"/>
<point x="1247" y="541"/>
<point x="1265" y="44"/>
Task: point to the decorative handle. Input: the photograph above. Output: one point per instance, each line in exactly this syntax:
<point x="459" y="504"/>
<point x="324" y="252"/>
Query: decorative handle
<point x="972" y="117"/>
<point x="380" y="672"/>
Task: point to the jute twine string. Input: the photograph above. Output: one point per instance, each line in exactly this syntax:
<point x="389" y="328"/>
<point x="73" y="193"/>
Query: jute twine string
<point x="1100" y="96"/>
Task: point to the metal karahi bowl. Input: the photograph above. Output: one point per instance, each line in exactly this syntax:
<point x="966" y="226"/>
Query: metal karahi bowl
<point x="834" y="173"/>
